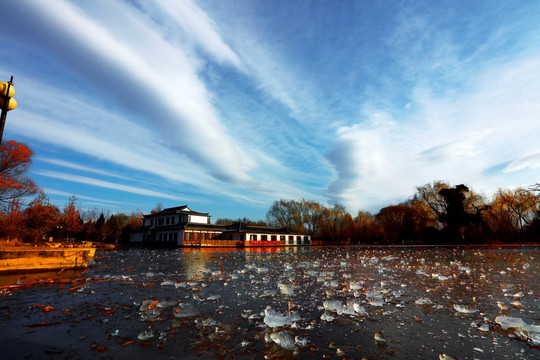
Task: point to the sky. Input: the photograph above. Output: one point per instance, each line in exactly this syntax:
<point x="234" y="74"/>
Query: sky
<point x="228" y="106"/>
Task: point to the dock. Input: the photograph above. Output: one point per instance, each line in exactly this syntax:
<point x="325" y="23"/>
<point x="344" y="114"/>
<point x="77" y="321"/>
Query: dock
<point x="35" y="259"/>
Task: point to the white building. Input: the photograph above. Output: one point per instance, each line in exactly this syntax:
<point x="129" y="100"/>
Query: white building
<point x="181" y="226"/>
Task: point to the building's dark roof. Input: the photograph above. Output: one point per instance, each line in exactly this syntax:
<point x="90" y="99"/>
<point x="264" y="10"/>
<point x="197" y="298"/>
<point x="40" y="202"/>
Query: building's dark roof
<point x="176" y="210"/>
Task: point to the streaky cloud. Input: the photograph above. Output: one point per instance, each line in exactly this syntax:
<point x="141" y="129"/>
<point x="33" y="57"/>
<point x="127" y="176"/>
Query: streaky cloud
<point x="107" y="184"/>
<point x="173" y="101"/>
<point x="71" y="165"/>
<point x="108" y="202"/>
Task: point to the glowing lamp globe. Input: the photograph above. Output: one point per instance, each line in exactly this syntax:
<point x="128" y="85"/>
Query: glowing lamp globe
<point x="4" y="87"/>
<point x="12" y="103"/>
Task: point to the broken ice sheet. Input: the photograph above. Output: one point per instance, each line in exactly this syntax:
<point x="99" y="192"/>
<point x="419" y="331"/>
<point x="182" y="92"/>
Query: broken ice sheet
<point x="327" y="316"/>
<point x="464" y="309"/>
<point x="283" y="339"/>
<point x="507" y="322"/>
<point x="286" y="289"/>
<point x="274" y="319"/>
<point x="423" y="301"/>
<point x="185" y="310"/>
<point x="146" y="334"/>
<point x="333" y="306"/>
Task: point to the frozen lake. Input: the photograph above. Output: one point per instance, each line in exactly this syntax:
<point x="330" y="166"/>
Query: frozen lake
<point x="305" y="303"/>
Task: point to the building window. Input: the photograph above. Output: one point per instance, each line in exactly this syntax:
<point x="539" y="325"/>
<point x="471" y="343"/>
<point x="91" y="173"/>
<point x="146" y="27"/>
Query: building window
<point x="167" y="220"/>
<point x="264" y="237"/>
<point x="253" y="237"/>
<point x="282" y="237"/>
<point x="274" y="238"/>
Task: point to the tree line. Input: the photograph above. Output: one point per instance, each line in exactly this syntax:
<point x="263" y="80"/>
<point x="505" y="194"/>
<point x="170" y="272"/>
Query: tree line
<point x="39" y="220"/>
<point x="438" y="213"/>
<point x="42" y="221"/>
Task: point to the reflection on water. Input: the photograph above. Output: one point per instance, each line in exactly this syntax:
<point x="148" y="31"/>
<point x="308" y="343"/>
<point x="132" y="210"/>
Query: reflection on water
<point x="296" y="302"/>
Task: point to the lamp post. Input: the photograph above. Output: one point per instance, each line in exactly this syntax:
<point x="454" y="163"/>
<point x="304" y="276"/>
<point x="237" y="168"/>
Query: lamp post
<point x="6" y="102"/>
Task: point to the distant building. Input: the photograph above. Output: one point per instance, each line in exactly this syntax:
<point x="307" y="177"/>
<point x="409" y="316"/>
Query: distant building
<point x="181" y="226"/>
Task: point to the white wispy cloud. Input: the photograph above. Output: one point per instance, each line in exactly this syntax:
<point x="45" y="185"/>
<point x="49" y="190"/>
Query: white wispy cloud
<point x="164" y="91"/>
<point x="94" y="200"/>
<point x="71" y="165"/>
<point x="453" y="138"/>
<point x="185" y="20"/>
<point x="108" y="185"/>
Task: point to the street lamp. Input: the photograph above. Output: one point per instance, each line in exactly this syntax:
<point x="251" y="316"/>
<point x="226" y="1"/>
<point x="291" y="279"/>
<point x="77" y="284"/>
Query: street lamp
<point x="6" y="102"/>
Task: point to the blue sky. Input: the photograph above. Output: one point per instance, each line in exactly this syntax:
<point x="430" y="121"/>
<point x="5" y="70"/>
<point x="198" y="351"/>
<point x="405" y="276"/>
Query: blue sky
<point x="230" y="105"/>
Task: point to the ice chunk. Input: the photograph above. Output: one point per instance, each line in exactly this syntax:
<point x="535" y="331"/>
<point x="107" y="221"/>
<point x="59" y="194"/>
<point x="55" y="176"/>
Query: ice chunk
<point x="208" y="322"/>
<point x="516" y="304"/>
<point x="244" y="343"/>
<point x="483" y="328"/>
<point x="148" y="305"/>
<point x="283" y="339"/>
<point x="464" y="309"/>
<point x="377" y="301"/>
<point x="355" y="286"/>
<point x="213" y="297"/>
<point x="146" y="334"/>
<point x="446" y="357"/>
<point x="286" y="289"/>
<point x="269" y="293"/>
<point x="534" y="338"/>
<point x="507" y="322"/>
<point x="348" y="308"/>
<point x="275" y="319"/>
<point x="423" y="301"/>
<point x="301" y="341"/>
<point x="327" y="316"/>
<point x="168" y="283"/>
<point x="333" y="284"/>
<point x="185" y="310"/>
<point x="333" y="306"/>
<point x="379" y="339"/>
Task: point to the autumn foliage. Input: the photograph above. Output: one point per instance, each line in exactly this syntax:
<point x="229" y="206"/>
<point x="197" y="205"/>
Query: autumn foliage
<point x="15" y="159"/>
<point x="437" y="214"/>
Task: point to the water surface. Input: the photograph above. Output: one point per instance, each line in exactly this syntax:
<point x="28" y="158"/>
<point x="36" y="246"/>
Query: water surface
<point x="306" y="303"/>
